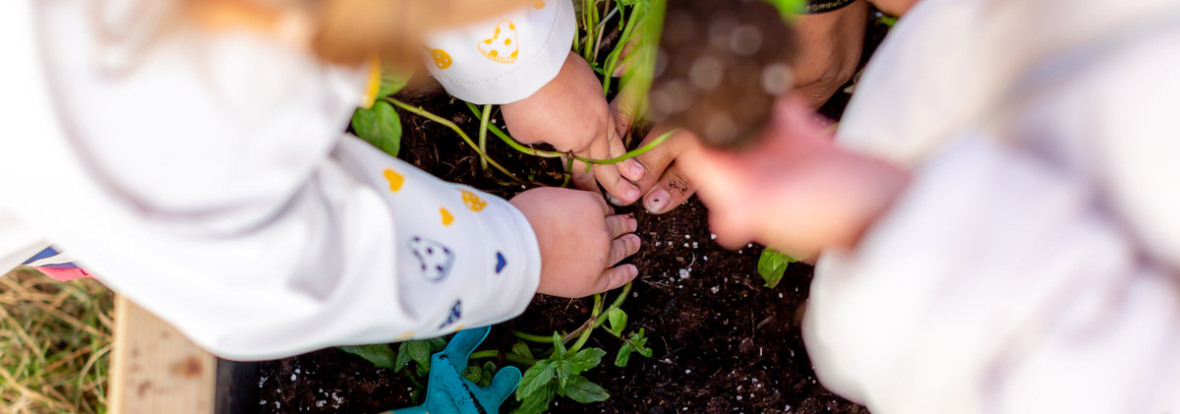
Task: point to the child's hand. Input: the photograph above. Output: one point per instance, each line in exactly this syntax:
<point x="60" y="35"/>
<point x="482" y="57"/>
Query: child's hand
<point x="581" y="242"/>
<point x="572" y="114"/>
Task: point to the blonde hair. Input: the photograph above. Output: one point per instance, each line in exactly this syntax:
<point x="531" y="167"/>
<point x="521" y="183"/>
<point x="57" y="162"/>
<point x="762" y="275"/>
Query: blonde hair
<point x="338" y="31"/>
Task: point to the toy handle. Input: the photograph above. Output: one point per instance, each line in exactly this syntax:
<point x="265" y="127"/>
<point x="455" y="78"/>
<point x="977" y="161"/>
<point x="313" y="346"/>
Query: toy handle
<point x="503" y="385"/>
<point x="417" y="409"/>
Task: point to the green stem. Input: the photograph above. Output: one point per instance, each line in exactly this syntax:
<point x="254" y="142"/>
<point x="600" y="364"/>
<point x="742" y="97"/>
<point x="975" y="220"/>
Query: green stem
<point x="483" y="134"/>
<point x="428" y="115"/>
<point x="585" y="336"/>
<point x="492" y="353"/>
<point x="533" y="338"/>
<point x="555" y="154"/>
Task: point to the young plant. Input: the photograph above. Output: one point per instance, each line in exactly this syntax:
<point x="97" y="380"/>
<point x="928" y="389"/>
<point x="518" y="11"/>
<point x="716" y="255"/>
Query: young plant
<point x="772" y="265"/>
<point x="418" y="352"/>
<point x="378" y="123"/>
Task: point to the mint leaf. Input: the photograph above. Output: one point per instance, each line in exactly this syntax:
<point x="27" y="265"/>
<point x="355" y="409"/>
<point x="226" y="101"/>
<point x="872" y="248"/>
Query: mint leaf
<point x="522" y="349"/>
<point x="585" y="359"/>
<point x="772" y="266"/>
<point x="534" y="379"/>
<point x="558" y="347"/>
<point x="419" y="351"/>
<point x="537" y="402"/>
<point x="582" y="390"/>
<point x="624" y="355"/>
<point x="381" y="355"/>
<point x="618" y="321"/>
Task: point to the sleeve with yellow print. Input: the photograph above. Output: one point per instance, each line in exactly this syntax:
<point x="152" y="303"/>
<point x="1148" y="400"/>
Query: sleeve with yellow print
<point x="506" y="58"/>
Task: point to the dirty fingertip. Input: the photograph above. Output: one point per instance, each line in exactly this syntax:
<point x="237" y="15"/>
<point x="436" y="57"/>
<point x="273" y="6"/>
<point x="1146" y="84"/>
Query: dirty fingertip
<point x="657" y="201"/>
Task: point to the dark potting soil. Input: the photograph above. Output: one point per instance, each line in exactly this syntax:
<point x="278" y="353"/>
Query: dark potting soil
<point x="722" y="341"/>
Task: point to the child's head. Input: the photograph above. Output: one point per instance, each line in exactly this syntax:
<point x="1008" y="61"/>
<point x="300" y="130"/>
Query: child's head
<point x="338" y="31"/>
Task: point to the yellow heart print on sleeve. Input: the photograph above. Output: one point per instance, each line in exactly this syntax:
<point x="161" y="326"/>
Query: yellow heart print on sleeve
<point x="473" y="201"/>
<point x="501" y="47"/>
<point x="442" y="59"/>
<point x="447" y="218"/>
<point x="538" y="4"/>
<point x="395" y="180"/>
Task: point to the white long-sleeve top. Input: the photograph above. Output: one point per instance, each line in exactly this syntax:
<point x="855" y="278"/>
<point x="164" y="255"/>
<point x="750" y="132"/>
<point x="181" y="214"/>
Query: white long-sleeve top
<point x="1033" y="266"/>
<point x="207" y="178"/>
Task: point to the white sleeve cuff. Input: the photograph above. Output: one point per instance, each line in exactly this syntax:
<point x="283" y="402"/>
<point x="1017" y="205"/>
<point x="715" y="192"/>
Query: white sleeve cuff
<point x="505" y="59"/>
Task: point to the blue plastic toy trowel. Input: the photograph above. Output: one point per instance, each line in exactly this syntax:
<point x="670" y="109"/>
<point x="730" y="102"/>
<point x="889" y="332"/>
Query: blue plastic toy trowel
<point x="447" y="392"/>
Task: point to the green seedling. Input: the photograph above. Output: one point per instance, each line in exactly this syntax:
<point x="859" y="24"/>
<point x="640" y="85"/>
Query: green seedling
<point x="772" y="265"/>
<point x="379" y="124"/>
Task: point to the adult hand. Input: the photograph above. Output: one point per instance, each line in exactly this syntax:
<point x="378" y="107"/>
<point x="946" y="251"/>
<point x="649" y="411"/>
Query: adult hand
<point x="581" y="241"/>
<point x="830" y="45"/>
<point x="795" y="190"/>
<point x="571" y="113"/>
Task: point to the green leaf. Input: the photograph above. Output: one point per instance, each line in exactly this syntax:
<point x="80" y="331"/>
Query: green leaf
<point x="403" y="357"/>
<point x="419" y="351"/>
<point x="586" y="359"/>
<point x="380" y="126"/>
<point x="558" y="347"/>
<point x="489" y="372"/>
<point x="522" y="349"/>
<point x="618" y="321"/>
<point x="639" y="341"/>
<point x="437" y="344"/>
<point x="392" y="83"/>
<point x="772" y="265"/>
<point x="582" y="390"/>
<point x="534" y="379"/>
<point x="473" y="373"/>
<point x="624" y="355"/>
<point x="380" y="355"/>
<point x="537" y="402"/>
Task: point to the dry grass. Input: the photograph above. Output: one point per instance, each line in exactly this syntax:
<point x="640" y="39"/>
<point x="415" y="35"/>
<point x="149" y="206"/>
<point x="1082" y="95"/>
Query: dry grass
<point x="55" y="339"/>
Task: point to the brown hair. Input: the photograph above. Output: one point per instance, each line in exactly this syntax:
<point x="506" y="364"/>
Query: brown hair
<point x="338" y="31"/>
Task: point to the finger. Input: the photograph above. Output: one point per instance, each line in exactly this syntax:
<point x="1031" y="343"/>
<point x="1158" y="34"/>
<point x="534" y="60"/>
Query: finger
<point x="616" y="277"/>
<point x="620" y="225"/>
<point x="622" y="247"/>
<point x="583" y="180"/>
<point x="606" y="208"/>
<point x="673" y="189"/>
<point x="656" y="160"/>
<point x="628" y="168"/>
<point x="621" y="191"/>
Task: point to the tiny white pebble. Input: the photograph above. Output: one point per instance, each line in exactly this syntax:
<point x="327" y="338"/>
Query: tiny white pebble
<point x="712" y="236"/>
<point x="297" y="371"/>
<point x="262" y="381"/>
<point x="686" y="245"/>
<point x="686" y="237"/>
<point x="751" y="245"/>
<point x="293" y="377"/>
<point x="688" y="371"/>
<point x="657" y="242"/>
<point x="263" y="402"/>
<point x="321" y="403"/>
<point x="739" y="398"/>
<point x="694" y="245"/>
<point x="715" y="289"/>
<point x="706" y="257"/>
<point x="684" y="273"/>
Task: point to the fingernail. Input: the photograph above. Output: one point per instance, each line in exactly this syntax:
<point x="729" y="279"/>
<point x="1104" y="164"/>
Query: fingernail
<point x="613" y="200"/>
<point x="632" y="193"/>
<point x="657" y="201"/>
<point x="634" y="170"/>
<point x="633" y="223"/>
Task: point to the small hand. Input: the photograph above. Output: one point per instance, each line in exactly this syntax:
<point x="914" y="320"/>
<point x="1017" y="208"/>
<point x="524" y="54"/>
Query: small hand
<point x="571" y="113"/>
<point x="581" y="241"/>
